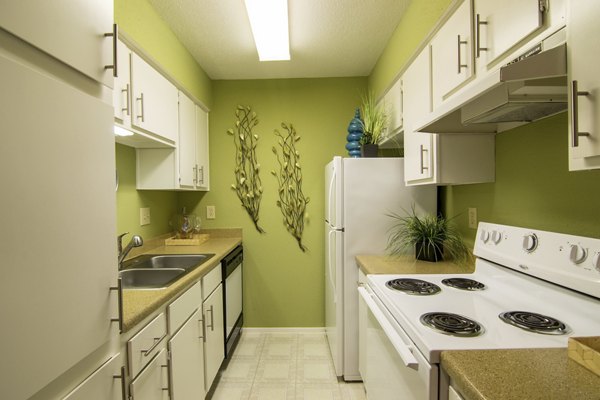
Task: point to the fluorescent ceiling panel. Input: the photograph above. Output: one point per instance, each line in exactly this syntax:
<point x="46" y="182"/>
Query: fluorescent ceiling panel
<point x="269" y="22"/>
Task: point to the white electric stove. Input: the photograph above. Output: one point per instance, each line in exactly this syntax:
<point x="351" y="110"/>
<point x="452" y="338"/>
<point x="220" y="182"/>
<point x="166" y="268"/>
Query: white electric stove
<point x="530" y="289"/>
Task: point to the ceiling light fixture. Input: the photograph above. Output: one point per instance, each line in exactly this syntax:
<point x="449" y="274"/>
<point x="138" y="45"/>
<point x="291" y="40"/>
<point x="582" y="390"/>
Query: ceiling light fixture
<point x="269" y="22"/>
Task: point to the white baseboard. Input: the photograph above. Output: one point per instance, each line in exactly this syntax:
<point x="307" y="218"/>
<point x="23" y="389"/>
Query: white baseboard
<point x="284" y="330"/>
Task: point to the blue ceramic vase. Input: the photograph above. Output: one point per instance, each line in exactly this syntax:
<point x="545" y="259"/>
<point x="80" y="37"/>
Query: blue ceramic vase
<point x="355" y="132"/>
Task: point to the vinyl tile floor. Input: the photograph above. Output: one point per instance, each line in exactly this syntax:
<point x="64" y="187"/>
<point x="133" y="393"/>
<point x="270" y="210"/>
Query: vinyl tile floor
<point x="283" y="366"/>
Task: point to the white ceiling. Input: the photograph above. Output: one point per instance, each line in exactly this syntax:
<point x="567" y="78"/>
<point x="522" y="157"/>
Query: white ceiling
<point x="328" y="38"/>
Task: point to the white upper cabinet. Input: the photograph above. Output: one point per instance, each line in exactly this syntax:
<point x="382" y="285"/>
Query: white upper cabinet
<point x="122" y="86"/>
<point x="154" y="101"/>
<point x="439" y="159"/>
<point x="583" y="32"/>
<point x="69" y="30"/>
<point x="451" y="53"/>
<point x="418" y="147"/>
<point x="202" y="159"/>
<point x="501" y="25"/>
<point x="186" y="147"/>
<point x="392" y="104"/>
<point x="183" y="168"/>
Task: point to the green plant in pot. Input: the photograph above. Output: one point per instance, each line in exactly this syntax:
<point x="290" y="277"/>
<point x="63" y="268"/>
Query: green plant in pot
<point x="433" y="238"/>
<point x="374" y="124"/>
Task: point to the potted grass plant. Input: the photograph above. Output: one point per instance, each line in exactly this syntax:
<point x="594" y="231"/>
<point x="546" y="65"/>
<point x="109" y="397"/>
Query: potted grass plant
<point x="374" y="124"/>
<point x="433" y="238"/>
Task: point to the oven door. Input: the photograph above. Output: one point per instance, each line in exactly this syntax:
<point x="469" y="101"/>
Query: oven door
<point x="394" y="368"/>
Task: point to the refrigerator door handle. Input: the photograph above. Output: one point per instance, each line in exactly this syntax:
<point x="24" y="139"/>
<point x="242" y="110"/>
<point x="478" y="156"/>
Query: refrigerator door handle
<point x="331" y="280"/>
<point x="329" y="198"/>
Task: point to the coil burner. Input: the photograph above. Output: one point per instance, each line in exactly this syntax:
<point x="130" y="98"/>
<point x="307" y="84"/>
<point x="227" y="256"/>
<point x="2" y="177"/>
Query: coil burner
<point x="533" y="322"/>
<point x="452" y="324"/>
<point x="464" y="284"/>
<point x="416" y="287"/>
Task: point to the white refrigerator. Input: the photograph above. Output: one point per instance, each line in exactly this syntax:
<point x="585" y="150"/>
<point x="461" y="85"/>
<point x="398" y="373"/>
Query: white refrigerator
<point x="360" y="193"/>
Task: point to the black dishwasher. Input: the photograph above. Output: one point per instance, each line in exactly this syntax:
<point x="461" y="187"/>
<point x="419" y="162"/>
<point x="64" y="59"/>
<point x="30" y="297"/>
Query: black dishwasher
<point x="232" y="297"/>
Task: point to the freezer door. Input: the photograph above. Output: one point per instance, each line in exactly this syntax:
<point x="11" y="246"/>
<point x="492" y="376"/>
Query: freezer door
<point x="334" y="295"/>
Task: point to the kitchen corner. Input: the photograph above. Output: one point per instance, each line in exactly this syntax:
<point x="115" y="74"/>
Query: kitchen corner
<point x="138" y="304"/>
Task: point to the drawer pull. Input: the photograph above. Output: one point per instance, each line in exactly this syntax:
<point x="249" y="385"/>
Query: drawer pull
<point x="119" y="291"/>
<point x="156" y="342"/>
<point x="212" y="319"/>
<point x="123" y="384"/>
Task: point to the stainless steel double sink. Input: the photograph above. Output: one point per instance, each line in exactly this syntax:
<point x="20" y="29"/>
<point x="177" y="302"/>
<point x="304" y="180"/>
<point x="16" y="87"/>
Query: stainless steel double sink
<point x="158" y="271"/>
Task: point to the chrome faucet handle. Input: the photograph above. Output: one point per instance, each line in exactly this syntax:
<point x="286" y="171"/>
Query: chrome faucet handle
<point x="120" y="241"/>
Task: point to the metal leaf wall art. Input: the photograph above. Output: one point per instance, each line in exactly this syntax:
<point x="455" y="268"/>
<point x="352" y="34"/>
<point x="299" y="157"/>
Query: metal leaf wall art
<point x="247" y="186"/>
<point x="292" y="201"/>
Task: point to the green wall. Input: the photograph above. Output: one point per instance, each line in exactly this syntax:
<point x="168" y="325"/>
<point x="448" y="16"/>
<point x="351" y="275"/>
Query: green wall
<point x="140" y="22"/>
<point x="284" y="287"/>
<point x="533" y="186"/>
<point x="162" y="204"/>
<point x="418" y="20"/>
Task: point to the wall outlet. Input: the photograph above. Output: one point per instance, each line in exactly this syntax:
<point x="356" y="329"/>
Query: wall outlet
<point x="210" y="212"/>
<point x="473" y="218"/>
<point x="144" y="216"/>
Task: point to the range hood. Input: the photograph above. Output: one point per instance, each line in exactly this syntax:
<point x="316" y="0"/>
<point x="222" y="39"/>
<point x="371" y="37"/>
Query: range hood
<point x="531" y="87"/>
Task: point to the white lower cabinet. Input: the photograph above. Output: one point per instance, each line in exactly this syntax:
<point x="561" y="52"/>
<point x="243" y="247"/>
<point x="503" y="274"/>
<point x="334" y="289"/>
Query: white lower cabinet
<point x="153" y="382"/>
<point x="186" y="365"/>
<point x="106" y="383"/>
<point x="214" y="346"/>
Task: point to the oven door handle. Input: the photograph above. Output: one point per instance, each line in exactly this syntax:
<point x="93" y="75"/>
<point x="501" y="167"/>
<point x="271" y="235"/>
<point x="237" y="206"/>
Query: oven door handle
<point x="404" y="351"/>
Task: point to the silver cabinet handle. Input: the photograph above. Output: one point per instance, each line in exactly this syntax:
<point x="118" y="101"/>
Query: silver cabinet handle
<point x="203" y="329"/>
<point x="202" y="336"/>
<point x="575" y="134"/>
<point x="114" y="34"/>
<point x="478" y="23"/>
<point x="119" y="291"/>
<point x="195" y="173"/>
<point x="127" y="94"/>
<point x="154" y="344"/>
<point x="201" y="180"/>
<point x="423" y="167"/>
<point x="141" y="100"/>
<point x="168" y="388"/>
<point x="121" y="376"/>
<point x="459" y="42"/>
<point x="212" y="318"/>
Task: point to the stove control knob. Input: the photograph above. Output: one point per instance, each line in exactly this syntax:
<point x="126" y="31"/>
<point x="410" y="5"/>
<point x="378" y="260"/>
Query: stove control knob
<point x="484" y="236"/>
<point x="496" y="237"/>
<point x="577" y="254"/>
<point x="596" y="261"/>
<point x="530" y="242"/>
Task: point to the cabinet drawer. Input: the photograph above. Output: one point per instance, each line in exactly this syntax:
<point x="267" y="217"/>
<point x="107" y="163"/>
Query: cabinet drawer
<point x="102" y="384"/>
<point x="153" y="382"/>
<point x="145" y="344"/>
<point x="179" y="310"/>
<point x="211" y="281"/>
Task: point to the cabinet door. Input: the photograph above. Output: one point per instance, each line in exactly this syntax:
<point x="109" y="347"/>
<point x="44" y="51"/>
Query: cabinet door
<point x="186" y="148"/>
<point x="106" y="383"/>
<point x="69" y="30"/>
<point x="153" y="382"/>
<point x="154" y="100"/>
<point x="418" y="146"/>
<point x="57" y="167"/>
<point x="202" y="157"/>
<point x="214" y="347"/>
<point x="187" y="360"/>
<point x="502" y="25"/>
<point x="122" y="86"/>
<point x="584" y="111"/>
<point x="392" y="101"/>
<point x="451" y="54"/>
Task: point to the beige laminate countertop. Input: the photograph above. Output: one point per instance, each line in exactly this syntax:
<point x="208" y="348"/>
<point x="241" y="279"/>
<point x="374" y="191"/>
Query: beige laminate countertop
<point x="139" y="303"/>
<point x="372" y="264"/>
<point x="530" y="374"/>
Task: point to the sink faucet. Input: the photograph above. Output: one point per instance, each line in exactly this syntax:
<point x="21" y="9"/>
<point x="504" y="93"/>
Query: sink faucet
<point x="136" y="241"/>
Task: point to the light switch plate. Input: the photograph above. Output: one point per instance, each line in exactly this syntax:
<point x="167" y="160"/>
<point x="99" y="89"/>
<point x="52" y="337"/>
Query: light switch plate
<point x="145" y="216"/>
<point x="210" y="212"/>
<point x="473" y="218"/>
